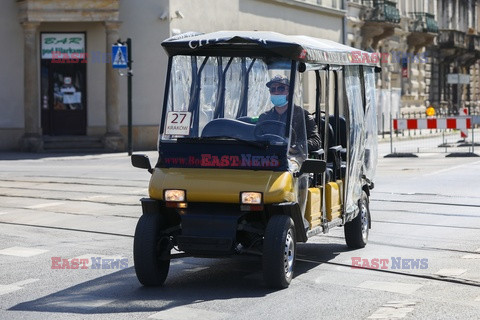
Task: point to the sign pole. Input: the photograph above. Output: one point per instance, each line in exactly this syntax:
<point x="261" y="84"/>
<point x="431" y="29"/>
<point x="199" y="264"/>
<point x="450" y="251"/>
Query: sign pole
<point x="129" y="84"/>
<point x="122" y="59"/>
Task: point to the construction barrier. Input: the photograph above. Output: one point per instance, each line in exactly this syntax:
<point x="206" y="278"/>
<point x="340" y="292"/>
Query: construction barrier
<point x="432" y="135"/>
<point x="433" y="123"/>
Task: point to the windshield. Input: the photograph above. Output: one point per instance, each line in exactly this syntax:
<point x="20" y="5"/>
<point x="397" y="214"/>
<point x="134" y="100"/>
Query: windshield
<point x="223" y="98"/>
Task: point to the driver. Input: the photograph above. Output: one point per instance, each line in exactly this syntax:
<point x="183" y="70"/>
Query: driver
<point x="279" y="88"/>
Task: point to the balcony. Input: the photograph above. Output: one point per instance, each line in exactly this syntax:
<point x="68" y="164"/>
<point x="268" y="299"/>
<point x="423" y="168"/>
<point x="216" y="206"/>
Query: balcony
<point x="423" y="22"/>
<point x="457" y="46"/>
<point x="380" y="19"/>
<point x="382" y="11"/>
<point x="422" y="28"/>
<point x="472" y="55"/>
<point x="473" y="41"/>
<point x="451" y="39"/>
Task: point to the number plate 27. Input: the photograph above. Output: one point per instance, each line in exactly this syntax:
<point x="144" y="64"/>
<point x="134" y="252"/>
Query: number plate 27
<point x="178" y="123"/>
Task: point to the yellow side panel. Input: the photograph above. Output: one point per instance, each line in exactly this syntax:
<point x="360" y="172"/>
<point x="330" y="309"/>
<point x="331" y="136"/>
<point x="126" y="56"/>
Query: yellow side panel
<point x="332" y="199"/>
<point x="313" y="212"/>
<point x="340" y="187"/>
<point x="222" y="185"/>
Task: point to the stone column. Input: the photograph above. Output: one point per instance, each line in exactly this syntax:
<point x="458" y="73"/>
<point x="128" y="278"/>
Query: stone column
<point x="112" y="140"/>
<point x="32" y="138"/>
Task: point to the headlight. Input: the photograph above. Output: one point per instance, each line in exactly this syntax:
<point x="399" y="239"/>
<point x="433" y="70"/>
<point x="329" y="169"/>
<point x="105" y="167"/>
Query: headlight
<point x="174" y="195"/>
<point x="251" y="197"/>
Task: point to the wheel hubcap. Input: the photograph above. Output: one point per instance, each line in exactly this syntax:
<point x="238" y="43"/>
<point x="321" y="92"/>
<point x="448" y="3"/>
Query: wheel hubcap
<point x="288" y="255"/>
<point x="364" y="215"/>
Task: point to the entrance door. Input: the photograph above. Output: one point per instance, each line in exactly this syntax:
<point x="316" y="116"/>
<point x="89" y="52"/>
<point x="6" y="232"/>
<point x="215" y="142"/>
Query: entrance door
<point x="63" y="84"/>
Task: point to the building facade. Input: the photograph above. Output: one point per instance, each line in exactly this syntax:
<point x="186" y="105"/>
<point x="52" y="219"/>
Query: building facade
<point x="402" y="32"/>
<point x="60" y="90"/>
<point x="425" y="40"/>
<point x="457" y="51"/>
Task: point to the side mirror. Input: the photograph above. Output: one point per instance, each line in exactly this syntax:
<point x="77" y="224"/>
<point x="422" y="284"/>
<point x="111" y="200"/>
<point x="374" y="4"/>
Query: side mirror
<point x="313" y="166"/>
<point x="141" y="161"/>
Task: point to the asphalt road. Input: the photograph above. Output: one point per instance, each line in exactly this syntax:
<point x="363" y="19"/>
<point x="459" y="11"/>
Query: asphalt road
<point x="426" y="228"/>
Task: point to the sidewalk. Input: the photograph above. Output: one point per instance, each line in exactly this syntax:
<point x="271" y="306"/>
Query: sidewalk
<point x="9" y="156"/>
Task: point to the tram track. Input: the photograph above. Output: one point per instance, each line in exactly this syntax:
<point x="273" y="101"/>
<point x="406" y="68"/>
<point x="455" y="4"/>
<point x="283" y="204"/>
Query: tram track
<point x="456" y="215"/>
<point x="120" y="183"/>
<point x="66" y="229"/>
<point x="76" y="181"/>
<point x="301" y="258"/>
<point x="426" y="225"/>
<point x="426" y="248"/>
<point x="434" y="277"/>
<point x="427" y="203"/>
<point x="423" y="194"/>
<point x="70" y="199"/>
<point x="74" y="213"/>
<point x="329" y="236"/>
<point x="63" y="190"/>
<point x="409" y="196"/>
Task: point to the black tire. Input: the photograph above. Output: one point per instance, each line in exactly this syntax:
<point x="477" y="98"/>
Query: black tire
<point x="356" y="231"/>
<point x="279" y="250"/>
<point x="150" y="250"/>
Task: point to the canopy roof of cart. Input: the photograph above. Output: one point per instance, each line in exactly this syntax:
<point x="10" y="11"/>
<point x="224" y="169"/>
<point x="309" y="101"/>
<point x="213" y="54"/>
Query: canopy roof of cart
<point x="264" y="43"/>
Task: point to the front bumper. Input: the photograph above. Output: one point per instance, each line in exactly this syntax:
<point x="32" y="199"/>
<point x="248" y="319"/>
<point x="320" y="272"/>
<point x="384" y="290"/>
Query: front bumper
<point x="204" y="228"/>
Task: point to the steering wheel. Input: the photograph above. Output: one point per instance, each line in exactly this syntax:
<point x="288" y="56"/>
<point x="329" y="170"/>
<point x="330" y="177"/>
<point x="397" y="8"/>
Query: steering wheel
<point x="273" y="130"/>
<point x="270" y="129"/>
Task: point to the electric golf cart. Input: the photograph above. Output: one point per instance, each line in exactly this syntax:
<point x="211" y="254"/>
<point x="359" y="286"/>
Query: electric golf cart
<point x="228" y="183"/>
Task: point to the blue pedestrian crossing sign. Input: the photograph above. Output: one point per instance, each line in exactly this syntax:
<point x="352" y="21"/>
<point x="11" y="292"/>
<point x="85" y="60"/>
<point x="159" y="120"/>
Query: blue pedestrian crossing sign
<point x="119" y="56"/>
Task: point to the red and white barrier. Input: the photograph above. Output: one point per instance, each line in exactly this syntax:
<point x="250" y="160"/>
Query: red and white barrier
<point x="433" y="123"/>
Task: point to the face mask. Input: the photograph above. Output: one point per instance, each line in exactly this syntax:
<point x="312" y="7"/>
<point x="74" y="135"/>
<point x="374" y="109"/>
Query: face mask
<point x="278" y="100"/>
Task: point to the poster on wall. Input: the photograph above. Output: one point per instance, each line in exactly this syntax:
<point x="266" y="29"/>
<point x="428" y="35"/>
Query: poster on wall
<point x="63" y="46"/>
<point x="67" y="92"/>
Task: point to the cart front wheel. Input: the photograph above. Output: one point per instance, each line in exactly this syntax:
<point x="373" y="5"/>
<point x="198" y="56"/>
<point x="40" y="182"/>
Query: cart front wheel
<point x="151" y="251"/>
<point x="279" y="249"/>
<point x="356" y="231"/>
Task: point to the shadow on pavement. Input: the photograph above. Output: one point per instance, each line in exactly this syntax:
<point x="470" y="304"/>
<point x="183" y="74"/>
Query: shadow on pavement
<point x="187" y="283"/>
<point x="120" y="292"/>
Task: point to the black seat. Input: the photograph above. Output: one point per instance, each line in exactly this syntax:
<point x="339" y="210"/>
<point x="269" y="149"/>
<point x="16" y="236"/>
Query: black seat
<point x="229" y="128"/>
<point x="327" y="155"/>
<point x="341" y="132"/>
<point x="336" y="168"/>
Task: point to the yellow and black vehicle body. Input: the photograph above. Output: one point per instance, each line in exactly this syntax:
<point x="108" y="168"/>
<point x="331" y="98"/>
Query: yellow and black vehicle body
<point x="229" y="180"/>
<point x="212" y="216"/>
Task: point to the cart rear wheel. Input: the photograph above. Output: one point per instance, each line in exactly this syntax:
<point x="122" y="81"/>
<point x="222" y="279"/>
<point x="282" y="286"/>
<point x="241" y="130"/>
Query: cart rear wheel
<point x="151" y="251"/>
<point x="356" y="231"/>
<point x="279" y="249"/>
